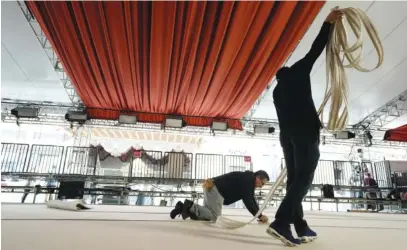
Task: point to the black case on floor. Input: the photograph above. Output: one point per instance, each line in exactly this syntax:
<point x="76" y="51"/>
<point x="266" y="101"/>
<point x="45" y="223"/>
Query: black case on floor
<point x="328" y="191"/>
<point x="71" y="190"/>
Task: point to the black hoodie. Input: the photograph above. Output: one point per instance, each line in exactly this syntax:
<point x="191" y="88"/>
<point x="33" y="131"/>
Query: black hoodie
<point x="235" y="186"/>
<point x="293" y="97"/>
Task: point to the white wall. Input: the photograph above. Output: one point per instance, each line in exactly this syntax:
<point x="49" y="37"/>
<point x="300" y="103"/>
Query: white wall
<point x="35" y="134"/>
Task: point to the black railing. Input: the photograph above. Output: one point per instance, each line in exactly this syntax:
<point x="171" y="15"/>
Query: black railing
<point x="237" y="163"/>
<point x="83" y="161"/>
<point x="177" y="165"/>
<point x="114" y="167"/>
<point x="352" y="174"/>
<point x="147" y="164"/>
<point x="45" y="159"/>
<point x="79" y="161"/>
<point x="383" y="174"/>
<point x="400" y="179"/>
<point x="325" y="173"/>
<point x="14" y="157"/>
<point x="208" y="165"/>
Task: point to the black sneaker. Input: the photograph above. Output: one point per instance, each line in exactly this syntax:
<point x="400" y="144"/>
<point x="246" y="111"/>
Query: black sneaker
<point x="283" y="234"/>
<point x="185" y="209"/>
<point x="307" y="235"/>
<point x="177" y="210"/>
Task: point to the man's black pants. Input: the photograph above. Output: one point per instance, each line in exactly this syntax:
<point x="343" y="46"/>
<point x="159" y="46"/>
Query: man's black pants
<point x="301" y="153"/>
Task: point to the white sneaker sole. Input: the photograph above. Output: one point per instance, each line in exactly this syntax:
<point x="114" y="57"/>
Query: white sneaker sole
<point x="273" y="233"/>
<point x="307" y="239"/>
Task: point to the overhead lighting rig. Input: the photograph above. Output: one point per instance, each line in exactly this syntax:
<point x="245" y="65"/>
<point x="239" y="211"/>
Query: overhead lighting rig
<point x="79" y="116"/>
<point x="127" y="119"/>
<point x="264" y="129"/>
<point x="174" y="122"/>
<point x="344" y="135"/>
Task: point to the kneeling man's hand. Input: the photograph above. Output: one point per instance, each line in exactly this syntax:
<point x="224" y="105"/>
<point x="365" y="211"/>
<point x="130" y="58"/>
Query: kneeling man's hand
<point x="263" y="219"/>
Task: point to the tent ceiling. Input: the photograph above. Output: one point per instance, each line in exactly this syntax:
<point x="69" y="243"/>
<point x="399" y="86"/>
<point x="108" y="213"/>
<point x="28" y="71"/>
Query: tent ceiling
<point x="368" y="91"/>
<point x="26" y="72"/>
<point x="206" y="59"/>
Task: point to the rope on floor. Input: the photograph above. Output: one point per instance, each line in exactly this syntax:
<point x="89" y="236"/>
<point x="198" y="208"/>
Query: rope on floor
<point x="337" y="85"/>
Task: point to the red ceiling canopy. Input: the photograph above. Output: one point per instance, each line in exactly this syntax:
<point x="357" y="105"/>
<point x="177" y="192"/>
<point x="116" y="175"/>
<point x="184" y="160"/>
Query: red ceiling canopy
<point x="396" y="134"/>
<point x="204" y="59"/>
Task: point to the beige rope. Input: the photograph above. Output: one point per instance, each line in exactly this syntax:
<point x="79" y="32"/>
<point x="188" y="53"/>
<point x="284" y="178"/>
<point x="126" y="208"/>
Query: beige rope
<point x="337" y="82"/>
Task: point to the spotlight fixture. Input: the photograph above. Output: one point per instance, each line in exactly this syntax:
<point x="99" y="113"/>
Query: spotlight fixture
<point x="25" y="112"/>
<point x="174" y="122"/>
<point x="127" y="119"/>
<point x="344" y="135"/>
<point x="219" y="126"/>
<point x="76" y="116"/>
<point x="263" y="129"/>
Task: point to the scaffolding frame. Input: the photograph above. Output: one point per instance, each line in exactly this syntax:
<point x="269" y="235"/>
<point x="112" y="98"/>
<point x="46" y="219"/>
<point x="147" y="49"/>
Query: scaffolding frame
<point x="52" y="56"/>
<point x="386" y="113"/>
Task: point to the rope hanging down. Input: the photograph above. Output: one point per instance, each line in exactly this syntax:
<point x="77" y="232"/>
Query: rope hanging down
<point x="337" y="85"/>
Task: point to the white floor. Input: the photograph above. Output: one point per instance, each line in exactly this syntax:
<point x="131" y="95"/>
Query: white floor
<point x="37" y="227"/>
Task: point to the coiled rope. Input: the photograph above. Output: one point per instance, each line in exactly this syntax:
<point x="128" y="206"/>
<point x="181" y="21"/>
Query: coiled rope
<point x="337" y="85"/>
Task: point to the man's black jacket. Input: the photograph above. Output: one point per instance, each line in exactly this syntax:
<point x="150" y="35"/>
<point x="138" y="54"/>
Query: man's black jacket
<point x="292" y="95"/>
<point x="235" y="186"/>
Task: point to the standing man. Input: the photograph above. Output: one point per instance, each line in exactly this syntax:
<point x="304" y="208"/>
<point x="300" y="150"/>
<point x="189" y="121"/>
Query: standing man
<point x="299" y="137"/>
<point x="224" y="190"/>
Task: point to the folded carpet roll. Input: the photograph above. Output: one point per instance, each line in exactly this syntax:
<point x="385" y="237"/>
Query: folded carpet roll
<point x="72" y="205"/>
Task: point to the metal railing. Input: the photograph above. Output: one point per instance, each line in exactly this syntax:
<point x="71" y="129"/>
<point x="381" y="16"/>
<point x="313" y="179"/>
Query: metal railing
<point x="83" y="162"/>
<point x="352" y="174"/>
<point x="156" y="165"/>
<point x="14" y="157"/>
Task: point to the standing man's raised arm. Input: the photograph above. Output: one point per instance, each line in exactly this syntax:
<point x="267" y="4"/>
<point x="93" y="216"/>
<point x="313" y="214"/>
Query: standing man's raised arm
<point x="306" y="63"/>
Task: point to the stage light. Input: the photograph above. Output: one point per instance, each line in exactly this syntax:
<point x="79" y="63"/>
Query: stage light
<point x="174" y="122"/>
<point x="263" y="129"/>
<point x="219" y="126"/>
<point x="344" y="135"/>
<point x="127" y="119"/>
<point x="76" y="116"/>
<point x="25" y="112"/>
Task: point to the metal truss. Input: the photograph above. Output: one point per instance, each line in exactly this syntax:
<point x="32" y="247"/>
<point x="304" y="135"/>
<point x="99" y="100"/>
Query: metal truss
<point x="385" y="114"/>
<point x="46" y="45"/>
<point x="54" y="114"/>
<point x="257" y="103"/>
<point x="326" y="139"/>
<point x="45" y="107"/>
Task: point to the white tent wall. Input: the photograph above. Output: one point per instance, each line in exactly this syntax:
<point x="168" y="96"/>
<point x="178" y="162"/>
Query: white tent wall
<point x="265" y="154"/>
<point x="35" y="134"/>
<point x="260" y="150"/>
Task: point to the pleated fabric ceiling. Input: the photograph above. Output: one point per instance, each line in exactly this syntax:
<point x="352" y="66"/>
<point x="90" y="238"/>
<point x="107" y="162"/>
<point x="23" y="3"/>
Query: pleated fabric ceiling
<point x="396" y="134"/>
<point x="201" y="59"/>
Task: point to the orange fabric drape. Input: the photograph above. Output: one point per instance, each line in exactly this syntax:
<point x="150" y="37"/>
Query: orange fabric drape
<point x="396" y="134"/>
<point x="197" y="58"/>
